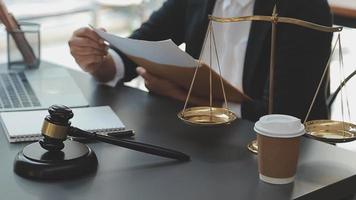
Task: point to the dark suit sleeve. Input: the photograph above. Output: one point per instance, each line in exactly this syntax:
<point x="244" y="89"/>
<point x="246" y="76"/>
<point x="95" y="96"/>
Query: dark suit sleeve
<point x="301" y="57"/>
<point x="165" y="23"/>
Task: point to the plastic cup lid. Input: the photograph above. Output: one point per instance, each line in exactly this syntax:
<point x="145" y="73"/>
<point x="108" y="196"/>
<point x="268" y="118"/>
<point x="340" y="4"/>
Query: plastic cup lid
<point x="280" y="126"/>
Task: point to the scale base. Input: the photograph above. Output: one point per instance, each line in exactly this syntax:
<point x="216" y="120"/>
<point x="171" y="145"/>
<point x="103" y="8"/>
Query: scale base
<point x="253" y="147"/>
<point x="74" y="160"/>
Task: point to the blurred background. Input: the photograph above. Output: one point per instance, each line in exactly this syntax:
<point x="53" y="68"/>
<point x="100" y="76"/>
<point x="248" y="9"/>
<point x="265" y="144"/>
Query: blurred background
<point x="59" y="19"/>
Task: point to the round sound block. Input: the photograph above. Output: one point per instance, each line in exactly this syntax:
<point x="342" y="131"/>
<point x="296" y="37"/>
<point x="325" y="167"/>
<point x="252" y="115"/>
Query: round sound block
<point x="74" y="160"/>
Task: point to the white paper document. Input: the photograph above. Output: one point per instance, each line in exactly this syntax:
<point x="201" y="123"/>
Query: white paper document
<point x="164" y="52"/>
<point x="164" y="59"/>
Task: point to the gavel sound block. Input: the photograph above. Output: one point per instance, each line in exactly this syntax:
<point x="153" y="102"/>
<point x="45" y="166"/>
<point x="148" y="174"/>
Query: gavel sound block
<point x="54" y="157"/>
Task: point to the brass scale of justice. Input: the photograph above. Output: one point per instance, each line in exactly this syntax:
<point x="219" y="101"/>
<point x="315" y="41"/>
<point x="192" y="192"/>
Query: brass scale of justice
<point x="330" y="131"/>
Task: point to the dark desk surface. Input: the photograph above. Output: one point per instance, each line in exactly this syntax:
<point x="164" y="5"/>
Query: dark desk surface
<point x="221" y="166"/>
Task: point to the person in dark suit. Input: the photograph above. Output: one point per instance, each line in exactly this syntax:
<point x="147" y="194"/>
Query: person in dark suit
<point x="301" y="53"/>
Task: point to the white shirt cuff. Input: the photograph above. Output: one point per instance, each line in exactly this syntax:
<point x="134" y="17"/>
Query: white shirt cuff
<point x="120" y="69"/>
<point x="235" y="108"/>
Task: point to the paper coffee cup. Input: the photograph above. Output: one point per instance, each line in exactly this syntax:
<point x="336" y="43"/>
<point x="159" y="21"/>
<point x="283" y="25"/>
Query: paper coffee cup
<point x="278" y="147"/>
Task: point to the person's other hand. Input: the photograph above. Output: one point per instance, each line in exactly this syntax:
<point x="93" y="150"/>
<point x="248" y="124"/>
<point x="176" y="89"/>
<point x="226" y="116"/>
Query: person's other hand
<point x="167" y="88"/>
<point x="161" y="86"/>
<point x="88" y="49"/>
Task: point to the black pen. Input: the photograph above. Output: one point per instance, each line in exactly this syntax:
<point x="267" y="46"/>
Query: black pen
<point x="117" y="134"/>
<point x="122" y="134"/>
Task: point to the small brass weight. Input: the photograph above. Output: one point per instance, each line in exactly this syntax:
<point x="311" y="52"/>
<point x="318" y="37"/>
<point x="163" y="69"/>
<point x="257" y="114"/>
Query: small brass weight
<point x="209" y="115"/>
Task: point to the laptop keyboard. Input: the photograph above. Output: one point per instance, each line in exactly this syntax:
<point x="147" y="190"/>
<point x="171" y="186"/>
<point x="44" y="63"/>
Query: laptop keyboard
<point x="16" y="91"/>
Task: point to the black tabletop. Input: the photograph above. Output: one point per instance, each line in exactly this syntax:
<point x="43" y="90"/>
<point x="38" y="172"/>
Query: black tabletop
<point x="221" y="166"/>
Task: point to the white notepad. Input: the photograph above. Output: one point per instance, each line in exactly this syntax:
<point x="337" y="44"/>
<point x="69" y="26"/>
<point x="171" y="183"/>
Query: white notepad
<point x="26" y="125"/>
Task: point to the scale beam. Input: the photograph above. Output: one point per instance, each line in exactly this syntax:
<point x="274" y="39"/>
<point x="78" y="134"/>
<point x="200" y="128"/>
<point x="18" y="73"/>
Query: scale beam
<point x="276" y="19"/>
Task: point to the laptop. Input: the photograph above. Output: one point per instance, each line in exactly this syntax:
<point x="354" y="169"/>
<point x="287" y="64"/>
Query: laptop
<point x="37" y="89"/>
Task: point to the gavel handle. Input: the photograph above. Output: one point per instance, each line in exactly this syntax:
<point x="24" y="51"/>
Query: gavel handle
<point x="137" y="146"/>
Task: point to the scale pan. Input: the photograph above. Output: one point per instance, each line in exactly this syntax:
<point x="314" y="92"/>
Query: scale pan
<point x="207" y="116"/>
<point x="331" y="131"/>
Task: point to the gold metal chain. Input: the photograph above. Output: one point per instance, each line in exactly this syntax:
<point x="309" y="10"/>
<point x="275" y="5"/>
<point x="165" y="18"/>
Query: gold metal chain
<point x="218" y="62"/>
<point x="322" y="78"/>
<point x="196" y="71"/>
<point x="210" y="66"/>
<point x="344" y="95"/>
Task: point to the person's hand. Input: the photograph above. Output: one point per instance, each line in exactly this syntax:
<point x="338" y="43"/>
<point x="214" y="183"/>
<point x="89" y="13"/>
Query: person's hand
<point x="88" y="49"/>
<point x="161" y="86"/>
<point x="167" y="88"/>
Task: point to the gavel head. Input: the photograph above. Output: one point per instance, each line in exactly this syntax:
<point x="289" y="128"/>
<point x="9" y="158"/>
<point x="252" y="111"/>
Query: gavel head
<point x="55" y="127"/>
